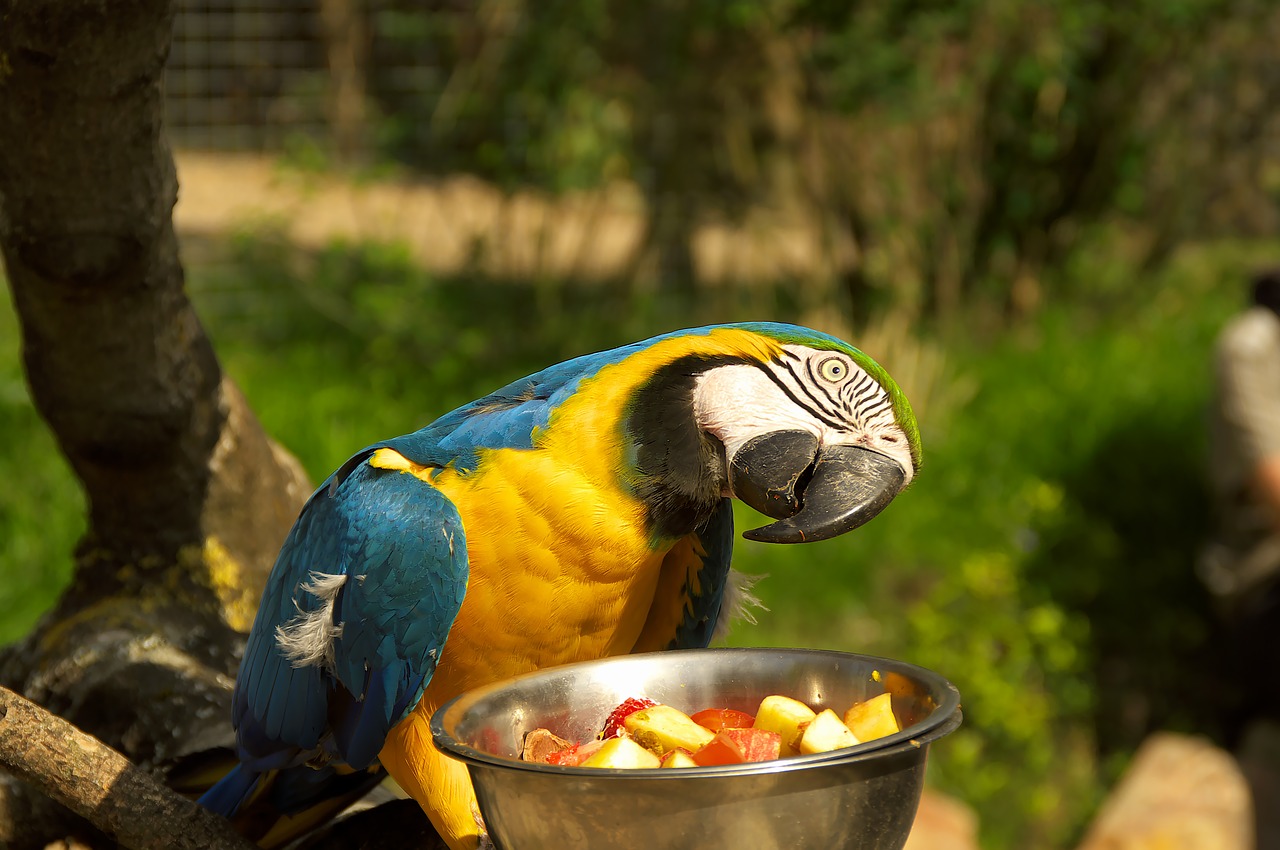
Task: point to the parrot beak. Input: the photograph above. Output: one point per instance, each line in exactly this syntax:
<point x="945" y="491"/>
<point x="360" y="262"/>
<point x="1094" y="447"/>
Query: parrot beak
<point x="815" y="492"/>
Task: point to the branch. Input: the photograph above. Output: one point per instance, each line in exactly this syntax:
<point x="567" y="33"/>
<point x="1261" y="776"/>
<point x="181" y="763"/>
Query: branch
<point x="102" y="786"/>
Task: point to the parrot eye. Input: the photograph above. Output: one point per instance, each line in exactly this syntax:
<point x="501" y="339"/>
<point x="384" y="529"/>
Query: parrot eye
<point x="833" y="369"/>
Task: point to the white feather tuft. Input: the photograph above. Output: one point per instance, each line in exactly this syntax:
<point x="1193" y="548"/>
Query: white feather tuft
<point x="308" y="638"/>
<point x="739" y="602"/>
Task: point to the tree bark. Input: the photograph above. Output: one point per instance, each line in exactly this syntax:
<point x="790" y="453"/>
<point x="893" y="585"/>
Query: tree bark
<point x="188" y="500"/>
<point x="102" y="786"/>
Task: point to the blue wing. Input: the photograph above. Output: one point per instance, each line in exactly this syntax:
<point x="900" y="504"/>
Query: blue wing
<point x="352" y="622"/>
<point x="705" y="594"/>
<point x="691" y="587"/>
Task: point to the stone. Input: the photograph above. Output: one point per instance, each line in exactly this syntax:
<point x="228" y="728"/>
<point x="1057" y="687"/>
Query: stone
<point x="1179" y="793"/>
<point x="943" y="823"/>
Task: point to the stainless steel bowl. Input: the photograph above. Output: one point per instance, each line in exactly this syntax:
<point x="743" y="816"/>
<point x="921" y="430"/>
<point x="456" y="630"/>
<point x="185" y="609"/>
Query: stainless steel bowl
<point x="862" y="798"/>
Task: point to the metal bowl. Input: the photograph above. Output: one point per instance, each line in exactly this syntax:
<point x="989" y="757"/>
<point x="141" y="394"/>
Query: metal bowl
<point x="863" y="797"/>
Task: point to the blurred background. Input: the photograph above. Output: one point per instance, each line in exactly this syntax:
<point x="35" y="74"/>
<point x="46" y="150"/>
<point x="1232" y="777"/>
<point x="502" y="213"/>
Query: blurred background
<point x="1036" y="215"/>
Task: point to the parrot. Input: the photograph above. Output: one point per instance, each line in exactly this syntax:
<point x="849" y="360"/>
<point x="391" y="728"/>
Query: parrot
<point x="582" y="512"/>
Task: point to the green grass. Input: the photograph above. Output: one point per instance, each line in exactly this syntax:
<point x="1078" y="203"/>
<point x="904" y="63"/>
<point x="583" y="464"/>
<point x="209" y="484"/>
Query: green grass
<point x="1041" y="560"/>
<point x="41" y="506"/>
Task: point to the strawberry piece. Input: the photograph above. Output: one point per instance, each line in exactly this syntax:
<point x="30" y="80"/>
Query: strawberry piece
<point x="613" y="727"/>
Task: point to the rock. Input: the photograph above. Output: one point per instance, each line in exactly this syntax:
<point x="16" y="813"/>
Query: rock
<point x="1180" y="793"/>
<point x="943" y="823"/>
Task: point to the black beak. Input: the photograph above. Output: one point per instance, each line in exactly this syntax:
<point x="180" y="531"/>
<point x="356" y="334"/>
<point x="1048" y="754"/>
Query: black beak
<point x="814" y="492"/>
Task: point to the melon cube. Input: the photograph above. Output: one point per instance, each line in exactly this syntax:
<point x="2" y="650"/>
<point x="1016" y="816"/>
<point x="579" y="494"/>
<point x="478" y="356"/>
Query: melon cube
<point x="786" y="716"/>
<point x="662" y="728"/>
<point x="872" y="719"/>
<point x="824" y="733"/>
<point x="678" y="758"/>
<point x="622" y="753"/>
<point x="755" y="744"/>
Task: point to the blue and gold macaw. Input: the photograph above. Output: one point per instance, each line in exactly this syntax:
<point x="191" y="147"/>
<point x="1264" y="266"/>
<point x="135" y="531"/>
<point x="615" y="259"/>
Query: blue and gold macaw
<point x="578" y="513"/>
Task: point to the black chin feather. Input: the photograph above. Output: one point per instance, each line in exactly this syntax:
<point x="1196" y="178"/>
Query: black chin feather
<point x="680" y="469"/>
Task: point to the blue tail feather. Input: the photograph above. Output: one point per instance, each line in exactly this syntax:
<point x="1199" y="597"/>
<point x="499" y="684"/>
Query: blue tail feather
<point x="229" y="793"/>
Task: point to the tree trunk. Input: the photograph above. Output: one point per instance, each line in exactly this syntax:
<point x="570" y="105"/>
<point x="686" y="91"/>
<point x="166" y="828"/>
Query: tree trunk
<point x="188" y="499"/>
<point x="346" y="49"/>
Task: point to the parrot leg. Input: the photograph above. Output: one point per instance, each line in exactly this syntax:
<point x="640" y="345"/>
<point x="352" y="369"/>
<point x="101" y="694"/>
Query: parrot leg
<point x="441" y="785"/>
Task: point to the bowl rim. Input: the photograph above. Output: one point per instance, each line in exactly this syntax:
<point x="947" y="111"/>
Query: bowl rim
<point x="943" y="720"/>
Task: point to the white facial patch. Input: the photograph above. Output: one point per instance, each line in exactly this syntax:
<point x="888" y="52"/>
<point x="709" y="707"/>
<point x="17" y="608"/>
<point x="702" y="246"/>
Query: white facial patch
<point x="823" y="393"/>
<point x="736" y="403"/>
<point x="308" y="638"/>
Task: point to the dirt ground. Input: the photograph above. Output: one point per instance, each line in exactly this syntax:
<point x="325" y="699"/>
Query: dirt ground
<point x="459" y="222"/>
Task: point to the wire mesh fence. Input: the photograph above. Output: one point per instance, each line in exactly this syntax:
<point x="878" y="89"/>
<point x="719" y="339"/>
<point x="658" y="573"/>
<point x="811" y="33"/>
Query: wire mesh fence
<point x="252" y="75"/>
<point x="242" y="76"/>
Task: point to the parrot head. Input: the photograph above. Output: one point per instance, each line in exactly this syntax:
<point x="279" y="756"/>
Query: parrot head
<point x="799" y="425"/>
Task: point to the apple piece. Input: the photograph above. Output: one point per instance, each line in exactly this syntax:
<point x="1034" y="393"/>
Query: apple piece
<point x="662" y="728"/>
<point x="678" y="758"/>
<point x="755" y="744"/>
<point x="613" y="726"/>
<point x="826" y="732"/>
<point x="716" y="719"/>
<point x="872" y="718"/>
<point x="575" y="755"/>
<point x="622" y="753"/>
<point x="786" y="716"/>
<point x="540" y="744"/>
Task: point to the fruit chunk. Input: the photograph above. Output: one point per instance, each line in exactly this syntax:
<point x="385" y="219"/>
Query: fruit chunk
<point x="540" y="744"/>
<point x="872" y="719"/>
<point x="716" y="719"/>
<point x="755" y="744"/>
<point x="824" y="733"/>
<point x="678" y="758"/>
<point x="613" y="725"/>
<point x="575" y="755"/>
<point x="662" y="728"/>
<point x="786" y="716"/>
<point x="622" y="752"/>
<point x="721" y="749"/>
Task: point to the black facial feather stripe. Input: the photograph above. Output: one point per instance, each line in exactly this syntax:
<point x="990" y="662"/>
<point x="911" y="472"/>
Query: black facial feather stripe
<point x="876" y="409"/>
<point x="764" y="367"/>
<point x="836" y="405"/>
<point x="860" y="401"/>
<point x="863" y="384"/>
<point x="830" y="409"/>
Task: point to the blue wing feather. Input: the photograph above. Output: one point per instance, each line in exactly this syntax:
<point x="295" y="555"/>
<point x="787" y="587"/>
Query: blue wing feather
<point x="400" y="545"/>
<point x="705" y="594"/>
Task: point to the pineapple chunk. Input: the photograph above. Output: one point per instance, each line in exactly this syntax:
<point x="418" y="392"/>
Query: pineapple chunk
<point x="824" y="733"/>
<point x="621" y="752"/>
<point x="678" y="758"/>
<point x="662" y="728"/>
<point x="786" y="716"/>
<point x="872" y="719"/>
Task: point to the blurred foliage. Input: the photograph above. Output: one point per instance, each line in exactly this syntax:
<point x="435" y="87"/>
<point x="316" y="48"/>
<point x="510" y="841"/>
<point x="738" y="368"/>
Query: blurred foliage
<point x="951" y="152"/>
